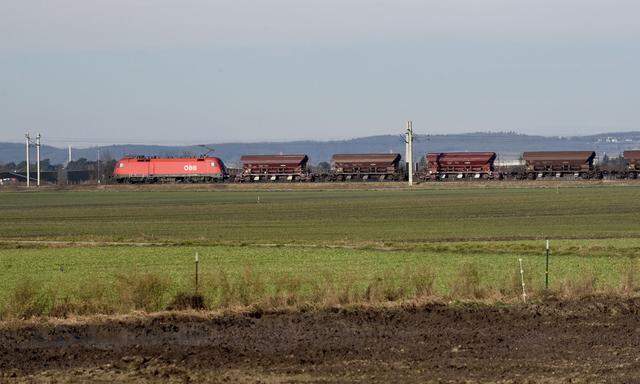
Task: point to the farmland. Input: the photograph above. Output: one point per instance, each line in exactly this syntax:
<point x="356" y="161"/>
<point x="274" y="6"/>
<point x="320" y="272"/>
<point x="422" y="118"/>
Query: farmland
<point x="311" y="285"/>
<point x="322" y="217"/>
<point x="65" y="239"/>
<point x="70" y="270"/>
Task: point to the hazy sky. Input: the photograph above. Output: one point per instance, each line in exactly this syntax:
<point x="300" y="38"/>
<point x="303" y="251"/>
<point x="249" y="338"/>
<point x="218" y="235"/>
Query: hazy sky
<point x="116" y="71"/>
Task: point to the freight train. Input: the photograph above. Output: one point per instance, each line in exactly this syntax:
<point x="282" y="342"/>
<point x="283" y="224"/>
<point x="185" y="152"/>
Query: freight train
<point x="374" y="166"/>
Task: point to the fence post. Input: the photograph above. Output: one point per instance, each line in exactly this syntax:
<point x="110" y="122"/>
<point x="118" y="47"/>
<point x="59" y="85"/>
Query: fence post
<point x="546" y="270"/>
<point x="197" y="261"/>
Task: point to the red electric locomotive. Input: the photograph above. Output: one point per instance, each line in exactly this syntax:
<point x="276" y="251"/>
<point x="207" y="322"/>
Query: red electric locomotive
<point x="169" y="170"/>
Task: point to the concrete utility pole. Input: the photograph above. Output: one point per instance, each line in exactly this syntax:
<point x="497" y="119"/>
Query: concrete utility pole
<point x="27" y="139"/>
<point x="66" y="166"/>
<point x="406" y="152"/>
<point x="409" y="150"/>
<point x="38" y="157"/>
<point x="99" y="166"/>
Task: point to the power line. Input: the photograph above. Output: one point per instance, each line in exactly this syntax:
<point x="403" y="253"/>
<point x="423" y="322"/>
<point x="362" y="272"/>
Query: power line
<point x="123" y="141"/>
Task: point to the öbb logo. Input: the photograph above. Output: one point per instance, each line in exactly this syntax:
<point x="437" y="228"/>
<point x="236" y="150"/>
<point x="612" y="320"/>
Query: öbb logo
<point x="190" y="167"/>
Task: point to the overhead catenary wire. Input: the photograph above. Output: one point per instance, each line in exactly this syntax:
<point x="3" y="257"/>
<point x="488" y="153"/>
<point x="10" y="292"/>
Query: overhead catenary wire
<point x="88" y="142"/>
<point x="126" y="141"/>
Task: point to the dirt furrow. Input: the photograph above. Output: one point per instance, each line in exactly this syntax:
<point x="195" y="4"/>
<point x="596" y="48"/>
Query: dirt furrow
<point x="591" y="340"/>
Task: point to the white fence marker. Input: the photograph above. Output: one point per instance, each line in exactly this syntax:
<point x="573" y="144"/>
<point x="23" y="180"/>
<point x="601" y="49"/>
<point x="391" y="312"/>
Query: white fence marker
<point x="524" y="293"/>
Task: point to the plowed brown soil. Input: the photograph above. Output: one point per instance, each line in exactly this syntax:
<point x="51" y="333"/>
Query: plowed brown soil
<point x="591" y="340"/>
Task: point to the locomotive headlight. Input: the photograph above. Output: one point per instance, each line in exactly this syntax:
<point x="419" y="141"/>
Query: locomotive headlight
<point x="121" y="165"/>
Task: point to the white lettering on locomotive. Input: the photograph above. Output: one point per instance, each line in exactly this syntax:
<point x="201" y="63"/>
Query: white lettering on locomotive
<point x="190" y="167"/>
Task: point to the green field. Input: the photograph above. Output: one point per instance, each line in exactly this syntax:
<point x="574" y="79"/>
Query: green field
<point x="293" y="242"/>
<point x="323" y="217"/>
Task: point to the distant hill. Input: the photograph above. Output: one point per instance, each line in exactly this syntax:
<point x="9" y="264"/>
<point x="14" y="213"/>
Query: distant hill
<point x="508" y="146"/>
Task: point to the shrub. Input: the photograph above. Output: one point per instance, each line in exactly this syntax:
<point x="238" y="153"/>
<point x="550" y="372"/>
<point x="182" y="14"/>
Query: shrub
<point x="346" y="294"/>
<point x="28" y="299"/>
<point x="250" y="288"/>
<point x="422" y="279"/>
<point x="629" y="277"/>
<point x="323" y="291"/>
<point x="245" y="290"/>
<point x="222" y="289"/>
<point x="583" y="285"/>
<point x="287" y="291"/>
<point x="145" y="291"/>
<point x="184" y="301"/>
<point x="93" y="297"/>
<point x="373" y="292"/>
<point x="513" y="284"/>
<point x="466" y="283"/>
<point x="384" y="289"/>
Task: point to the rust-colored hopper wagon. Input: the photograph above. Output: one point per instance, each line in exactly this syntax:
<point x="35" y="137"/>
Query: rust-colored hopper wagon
<point x="274" y="168"/>
<point x="366" y="166"/>
<point x="559" y="164"/>
<point x="459" y="165"/>
<point x="633" y="162"/>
